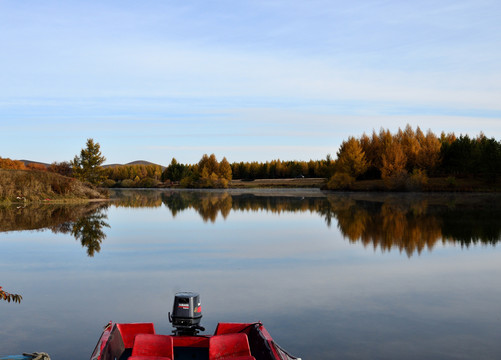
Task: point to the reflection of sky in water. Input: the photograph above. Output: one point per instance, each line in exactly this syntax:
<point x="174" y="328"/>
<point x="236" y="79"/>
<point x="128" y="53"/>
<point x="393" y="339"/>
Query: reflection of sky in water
<point x="319" y="295"/>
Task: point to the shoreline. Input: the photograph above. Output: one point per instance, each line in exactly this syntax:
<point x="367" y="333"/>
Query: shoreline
<point x="433" y="185"/>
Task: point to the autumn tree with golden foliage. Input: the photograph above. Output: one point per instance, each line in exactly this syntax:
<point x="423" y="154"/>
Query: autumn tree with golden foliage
<point x="393" y="160"/>
<point x="225" y="169"/>
<point x="429" y="155"/>
<point x="351" y="158"/>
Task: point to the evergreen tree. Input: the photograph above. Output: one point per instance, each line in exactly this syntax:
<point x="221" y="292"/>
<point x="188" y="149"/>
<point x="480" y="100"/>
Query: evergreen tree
<point x="87" y="166"/>
<point x="173" y="172"/>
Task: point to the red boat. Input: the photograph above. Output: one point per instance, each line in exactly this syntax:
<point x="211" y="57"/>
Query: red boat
<point x="231" y="341"/>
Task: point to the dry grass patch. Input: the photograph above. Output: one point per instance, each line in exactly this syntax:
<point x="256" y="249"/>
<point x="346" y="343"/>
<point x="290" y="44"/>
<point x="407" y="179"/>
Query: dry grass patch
<point x="25" y="185"/>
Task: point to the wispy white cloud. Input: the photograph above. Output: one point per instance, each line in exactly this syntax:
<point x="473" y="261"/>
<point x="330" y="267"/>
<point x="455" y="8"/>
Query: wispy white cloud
<point x="297" y="75"/>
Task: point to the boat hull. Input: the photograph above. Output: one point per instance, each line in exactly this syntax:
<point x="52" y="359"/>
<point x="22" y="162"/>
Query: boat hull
<point x="246" y="341"/>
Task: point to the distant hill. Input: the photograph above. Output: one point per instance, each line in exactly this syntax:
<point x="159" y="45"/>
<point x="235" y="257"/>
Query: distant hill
<point x="137" y="162"/>
<point x="27" y="162"/>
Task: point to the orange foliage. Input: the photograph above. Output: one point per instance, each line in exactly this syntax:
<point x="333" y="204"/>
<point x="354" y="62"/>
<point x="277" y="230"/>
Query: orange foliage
<point x="6" y="163"/>
<point x="36" y="166"/>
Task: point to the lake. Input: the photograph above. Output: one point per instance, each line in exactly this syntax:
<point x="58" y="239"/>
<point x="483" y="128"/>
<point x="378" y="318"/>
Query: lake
<point x="331" y="276"/>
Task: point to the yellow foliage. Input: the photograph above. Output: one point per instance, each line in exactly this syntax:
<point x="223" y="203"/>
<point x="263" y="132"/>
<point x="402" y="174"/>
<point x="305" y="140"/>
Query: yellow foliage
<point x="351" y="158"/>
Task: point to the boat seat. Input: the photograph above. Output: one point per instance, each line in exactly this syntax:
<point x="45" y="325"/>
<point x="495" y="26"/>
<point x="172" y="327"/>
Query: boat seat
<point x="153" y="347"/>
<point x="230" y="347"/>
<point x="129" y="332"/>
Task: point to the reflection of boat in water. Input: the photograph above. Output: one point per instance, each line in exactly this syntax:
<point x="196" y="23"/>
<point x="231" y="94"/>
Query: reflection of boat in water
<point x="33" y="356"/>
<point x="231" y="341"/>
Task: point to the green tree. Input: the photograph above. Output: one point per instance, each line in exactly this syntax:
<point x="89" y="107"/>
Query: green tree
<point x="490" y="158"/>
<point x="87" y="166"/>
<point x="173" y="172"/>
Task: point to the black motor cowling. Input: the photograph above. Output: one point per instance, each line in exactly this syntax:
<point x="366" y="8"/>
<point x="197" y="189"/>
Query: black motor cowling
<point x="186" y="313"/>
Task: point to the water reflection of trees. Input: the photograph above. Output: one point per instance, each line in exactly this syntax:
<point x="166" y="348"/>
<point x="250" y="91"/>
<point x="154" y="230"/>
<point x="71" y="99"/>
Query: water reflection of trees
<point x="414" y="223"/>
<point x="409" y="223"/>
<point x="89" y="230"/>
<point x="137" y="198"/>
<point x="388" y="225"/>
<point x="211" y="204"/>
<point x="84" y="221"/>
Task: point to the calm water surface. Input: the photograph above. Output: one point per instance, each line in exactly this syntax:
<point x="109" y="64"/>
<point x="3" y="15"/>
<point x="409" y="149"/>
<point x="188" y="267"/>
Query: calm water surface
<point x="344" y="276"/>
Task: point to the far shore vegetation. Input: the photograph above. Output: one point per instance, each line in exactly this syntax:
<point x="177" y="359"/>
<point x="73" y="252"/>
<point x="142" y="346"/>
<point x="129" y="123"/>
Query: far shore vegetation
<point x="408" y="160"/>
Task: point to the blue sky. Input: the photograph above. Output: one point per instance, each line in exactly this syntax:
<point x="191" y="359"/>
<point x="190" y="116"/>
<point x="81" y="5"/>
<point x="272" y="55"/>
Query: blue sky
<point x="249" y="80"/>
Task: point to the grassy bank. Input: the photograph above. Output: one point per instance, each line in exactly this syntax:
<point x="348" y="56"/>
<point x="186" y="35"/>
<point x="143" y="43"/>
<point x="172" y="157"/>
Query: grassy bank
<point x="278" y="183"/>
<point x="31" y="185"/>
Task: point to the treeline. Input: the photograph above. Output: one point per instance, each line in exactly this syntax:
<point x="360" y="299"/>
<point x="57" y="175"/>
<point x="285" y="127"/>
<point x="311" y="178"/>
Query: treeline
<point x="478" y="157"/>
<point x="128" y="176"/>
<point x="211" y="173"/>
<point x="404" y="160"/>
<point x="407" y="158"/>
<point x="207" y="173"/>
<point x="278" y="169"/>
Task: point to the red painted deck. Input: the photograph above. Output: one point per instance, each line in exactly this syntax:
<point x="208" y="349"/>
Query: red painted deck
<point x="231" y="341"/>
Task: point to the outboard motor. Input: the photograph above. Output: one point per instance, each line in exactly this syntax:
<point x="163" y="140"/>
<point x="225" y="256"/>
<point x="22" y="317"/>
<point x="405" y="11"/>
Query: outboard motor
<point x="186" y="314"/>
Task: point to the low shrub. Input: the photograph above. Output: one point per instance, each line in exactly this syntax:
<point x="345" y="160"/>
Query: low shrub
<point x="340" y="181"/>
<point x="109" y="183"/>
<point x="127" y="183"/>
<point x="148" y="183"/>
<point x="451" y="182"/>
<point x="417" y="181"/>
<point x="397" y="181"/>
